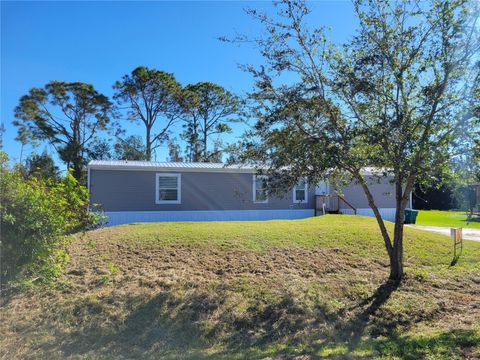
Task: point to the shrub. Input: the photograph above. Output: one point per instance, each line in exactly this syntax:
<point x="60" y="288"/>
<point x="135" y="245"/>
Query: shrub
<point x="35" y="214"/>
<point x="41" y="165"/>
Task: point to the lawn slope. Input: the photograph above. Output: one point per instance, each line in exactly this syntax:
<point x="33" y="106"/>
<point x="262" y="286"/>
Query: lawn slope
<point x="303" y="289"/>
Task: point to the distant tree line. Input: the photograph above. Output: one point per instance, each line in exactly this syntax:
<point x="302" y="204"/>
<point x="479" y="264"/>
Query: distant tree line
<point x="73" y="117"/>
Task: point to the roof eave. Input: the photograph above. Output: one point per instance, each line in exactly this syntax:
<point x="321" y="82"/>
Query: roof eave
<point x="170" y="169"/>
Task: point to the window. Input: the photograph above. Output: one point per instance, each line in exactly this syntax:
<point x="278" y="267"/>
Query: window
<point x="300" y="192"/>
<point x="260" y="189"/>
<point x="168" y="188"/>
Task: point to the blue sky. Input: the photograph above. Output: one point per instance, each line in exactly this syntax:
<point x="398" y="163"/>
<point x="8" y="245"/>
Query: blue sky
<point x="98" y="42"/>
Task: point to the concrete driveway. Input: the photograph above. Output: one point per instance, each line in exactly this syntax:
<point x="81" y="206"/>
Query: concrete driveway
<point x="468" y="233"/>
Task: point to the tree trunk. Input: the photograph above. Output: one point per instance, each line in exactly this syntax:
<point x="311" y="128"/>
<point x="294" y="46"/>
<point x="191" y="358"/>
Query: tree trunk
<point x="21" y="153"/>
<point x="196" y="149"/>
<point x="376" y="212"/>
<point x="395" y="250"/>
<point x="205" y="137"/>
<point x="205" y="151"/>
<point x="396" y="263"/>
<point x="396" y="253"/>
<point x="195" y="153"/>
<point x="148" y="145"/>
<point x="78" y="174"/>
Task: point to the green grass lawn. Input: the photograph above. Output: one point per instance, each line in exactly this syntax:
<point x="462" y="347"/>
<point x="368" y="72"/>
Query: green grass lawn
<point x="299" y="289"/>
<point x="445" y="218"/>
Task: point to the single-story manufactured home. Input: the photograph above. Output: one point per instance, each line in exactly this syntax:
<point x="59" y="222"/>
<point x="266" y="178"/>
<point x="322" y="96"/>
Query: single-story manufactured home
<point x="145" y="191"/>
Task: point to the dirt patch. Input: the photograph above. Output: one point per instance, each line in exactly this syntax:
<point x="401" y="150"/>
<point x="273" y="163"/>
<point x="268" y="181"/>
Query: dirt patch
<point x="186" y="301"/>
<point x="202" y="264"/>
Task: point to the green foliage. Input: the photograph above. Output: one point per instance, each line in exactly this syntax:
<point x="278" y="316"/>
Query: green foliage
<point x="99" y="149"/>
<point x="130" y="148"/>
<point x="75" y="206"/>
<point x="42" y="166"/>
<point x="397" y="97"/>
<point x="476" y="159"/>
<point x="208" y="109"/>
<point x="66" y="115"/>
<point x="151" y="95"/>
<point x="466" y="198"/>
<point x="109" y="277"/>
<point x="174" y="152"/>
<point x="36" y="213"/>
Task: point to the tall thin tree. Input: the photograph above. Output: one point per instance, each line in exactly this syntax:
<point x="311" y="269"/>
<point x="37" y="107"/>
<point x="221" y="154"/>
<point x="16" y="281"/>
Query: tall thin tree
<point x="151" y="97"/>
<point x="67" y="116"/>
<point x="209" y="111"/>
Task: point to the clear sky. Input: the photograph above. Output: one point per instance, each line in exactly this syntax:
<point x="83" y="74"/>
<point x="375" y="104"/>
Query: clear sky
<point x="98" y="42"/>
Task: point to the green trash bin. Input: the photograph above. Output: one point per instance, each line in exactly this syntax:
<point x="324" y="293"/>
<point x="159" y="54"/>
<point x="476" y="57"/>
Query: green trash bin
<point x="411" y="216"/>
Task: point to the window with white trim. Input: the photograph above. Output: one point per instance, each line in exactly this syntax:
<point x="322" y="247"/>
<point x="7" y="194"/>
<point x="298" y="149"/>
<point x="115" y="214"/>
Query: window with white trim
<point x="168" y="188"/>
<point x="300" y="192"/>
<point x="260" y="194"/>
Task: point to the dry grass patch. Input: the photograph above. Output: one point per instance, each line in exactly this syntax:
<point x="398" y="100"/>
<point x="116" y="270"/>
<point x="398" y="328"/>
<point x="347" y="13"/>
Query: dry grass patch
<point x="133" y="292"/>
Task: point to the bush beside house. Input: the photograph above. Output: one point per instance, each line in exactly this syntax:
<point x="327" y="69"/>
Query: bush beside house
<point x="36" y="214"/>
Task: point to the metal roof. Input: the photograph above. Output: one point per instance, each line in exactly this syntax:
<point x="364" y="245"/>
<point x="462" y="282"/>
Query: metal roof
<point x="190" y="166"/>
<point x="157" y="165"/>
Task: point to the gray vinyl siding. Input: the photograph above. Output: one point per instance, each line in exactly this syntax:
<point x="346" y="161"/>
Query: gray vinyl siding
<point x="382" y="191"/>
<point x="124" y="190"/>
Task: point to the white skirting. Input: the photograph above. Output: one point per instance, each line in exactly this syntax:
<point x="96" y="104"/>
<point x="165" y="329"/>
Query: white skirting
<point x="387" y="213"/>
<point x="126" y="217"/>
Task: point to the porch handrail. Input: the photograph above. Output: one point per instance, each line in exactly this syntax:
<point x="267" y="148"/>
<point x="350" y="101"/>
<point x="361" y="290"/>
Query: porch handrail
<point x="348" y="204"/>
<point x="333" y="196"/>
